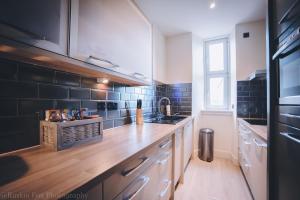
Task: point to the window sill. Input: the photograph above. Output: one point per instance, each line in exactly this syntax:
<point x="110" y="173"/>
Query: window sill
<point x="217" y="112"/>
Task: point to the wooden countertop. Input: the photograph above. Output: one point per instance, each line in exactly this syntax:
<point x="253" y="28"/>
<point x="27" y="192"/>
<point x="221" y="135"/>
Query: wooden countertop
<point x="51" y="174"/>
<point x="260" y="130"/>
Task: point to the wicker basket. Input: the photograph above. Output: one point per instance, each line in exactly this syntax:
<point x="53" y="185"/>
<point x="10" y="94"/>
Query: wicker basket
<point x="63" y="135"/>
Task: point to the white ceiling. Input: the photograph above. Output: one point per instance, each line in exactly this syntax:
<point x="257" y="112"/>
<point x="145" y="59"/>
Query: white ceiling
<point x="179" y="16"/>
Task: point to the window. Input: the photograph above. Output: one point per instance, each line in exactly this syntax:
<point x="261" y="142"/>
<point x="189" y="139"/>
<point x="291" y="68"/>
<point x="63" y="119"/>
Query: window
<point x="217" y="74"/>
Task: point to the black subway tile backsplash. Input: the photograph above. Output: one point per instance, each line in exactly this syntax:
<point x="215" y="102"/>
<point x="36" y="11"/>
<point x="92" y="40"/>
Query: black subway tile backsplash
<point x="180" y="96"/>
<point x="113" y="96"/>
<point x="53" y="92"/>
<point x="8" y="70"/>
<point x="89" y="83"/>
<point x="80" y="93"/>
<point x="91" y="105"/>
<point x="113" y="114"/>
<point x="8" y="107"/>
<point x="29" y="107"/>
<point x="18" y="89"/>
<point x="62" y="78"/>
<point x="112" y="105"/>
<point x="28" y="72"/>
<point x="101" y="106"/>
<point x="28" y="90"/>
<point x="252" y="99"/>
<point x="71" y="105"/>
<point x="98" y="95"/>
<point x="18" y="132"/>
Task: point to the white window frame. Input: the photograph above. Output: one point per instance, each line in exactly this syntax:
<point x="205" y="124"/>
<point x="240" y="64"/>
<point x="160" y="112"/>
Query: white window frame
<point x="211" y="74"/>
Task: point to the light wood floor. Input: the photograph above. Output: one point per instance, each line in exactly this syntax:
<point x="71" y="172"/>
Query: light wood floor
<point x="218" y="180"/>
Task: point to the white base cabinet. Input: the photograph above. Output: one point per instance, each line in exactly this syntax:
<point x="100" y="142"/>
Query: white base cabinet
<point x="188" y="143"/>
<point x="178" y="155"/>
<point x="253" y="161"/>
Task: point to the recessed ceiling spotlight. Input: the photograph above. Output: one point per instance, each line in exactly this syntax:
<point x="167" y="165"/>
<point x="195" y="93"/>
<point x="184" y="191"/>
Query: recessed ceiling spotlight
<point x="102" y="80"/>
<point x="212" y="4"/>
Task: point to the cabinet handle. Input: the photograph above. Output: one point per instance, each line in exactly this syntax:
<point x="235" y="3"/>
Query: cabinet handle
<point x="162" y="146"/>
<point x="290" y="136"/>
<point x="164" y="192"/>
<point x="164" y="161"/>
<point x="287" y="13"/>
<point x="247" y="143"/>
<point x="261" y="145"/>
<point x="132" y="170"/>
<point x="294" y="37"/>
<point x="134" y="194"/>
<point x="247" y="165"/>
<point x="290" y="116"/>
<point x="139" y="75"/>
<point x="104" y="60"/>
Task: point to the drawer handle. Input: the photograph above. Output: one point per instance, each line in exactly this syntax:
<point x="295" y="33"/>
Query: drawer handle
<point x="290" y="137"/>
<point x="164" y="192"/>
<point x="261" y="145"/>
<point x="288" y="12"/>
<point x="132" y="170"/>
<point x="246" y="165"/>
<point x="164" y="161"/>
<point x="290" y="116"/>
<point x="164" y="145"/>
<point x="134" y="194"/>
<point x="104" y="60"/>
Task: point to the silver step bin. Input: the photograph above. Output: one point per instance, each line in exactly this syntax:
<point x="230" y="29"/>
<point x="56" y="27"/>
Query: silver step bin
<point x="206" y="144"/>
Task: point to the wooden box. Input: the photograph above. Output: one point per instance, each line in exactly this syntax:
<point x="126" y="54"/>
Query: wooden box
<point x="63" y="135"/>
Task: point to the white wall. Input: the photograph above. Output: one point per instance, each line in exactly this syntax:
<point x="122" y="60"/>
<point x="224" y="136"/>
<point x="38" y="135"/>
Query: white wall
<point x="179" y="58"/>
<point x="197" y="83"/>
<point x="250" y="52"/>
<point x="159" y="55"/>
<point x="234" y="135"/>
<point x="223" y="123"/>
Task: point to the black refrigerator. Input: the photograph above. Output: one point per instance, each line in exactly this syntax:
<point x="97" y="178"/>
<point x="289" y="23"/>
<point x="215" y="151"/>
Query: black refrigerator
<point x="283" y="40"/>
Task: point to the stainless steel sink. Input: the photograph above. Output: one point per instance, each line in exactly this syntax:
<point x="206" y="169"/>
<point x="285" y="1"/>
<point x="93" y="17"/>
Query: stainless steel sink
<point x="174" y="119"/>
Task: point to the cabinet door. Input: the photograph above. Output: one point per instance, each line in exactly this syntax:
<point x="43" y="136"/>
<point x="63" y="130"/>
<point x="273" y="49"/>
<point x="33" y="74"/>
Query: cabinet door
<point x="259" y="168"/>
<point x="188" y="142"/>
<point x="178" y="154"/>
<point x="43" y="24"/>
<point x="112" y="34"/>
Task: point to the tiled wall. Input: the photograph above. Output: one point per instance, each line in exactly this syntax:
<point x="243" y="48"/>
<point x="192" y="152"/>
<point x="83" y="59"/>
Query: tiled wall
<point x="180" y="96"/>
<point x="27" y="90"/>
<point x="252" y="99"/>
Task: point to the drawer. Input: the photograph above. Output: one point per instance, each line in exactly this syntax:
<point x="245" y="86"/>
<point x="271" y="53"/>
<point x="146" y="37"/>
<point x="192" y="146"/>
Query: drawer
<point x="143" y="187"/>
<point x="164" y="163"/>
<point x="165" y="146"/>
<point x="246" y="167"/>
<point x="126" y="173"/>
<point x="178" y="155"/>
<point x="165" y="175"/>
<point x="165" y="193"/>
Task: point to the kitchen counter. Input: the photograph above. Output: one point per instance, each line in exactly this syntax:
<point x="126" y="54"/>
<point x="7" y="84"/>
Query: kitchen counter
<point x="51" y="175"/>
<point x="260" y="130"/>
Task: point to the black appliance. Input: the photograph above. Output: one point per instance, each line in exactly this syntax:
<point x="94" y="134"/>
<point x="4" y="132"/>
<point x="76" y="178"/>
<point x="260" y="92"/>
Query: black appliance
<point x="284" y="99"/>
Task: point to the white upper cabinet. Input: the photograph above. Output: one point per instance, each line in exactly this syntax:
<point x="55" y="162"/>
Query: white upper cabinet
<point x="113" y="34"/>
